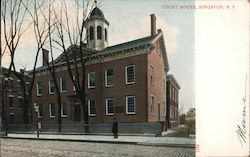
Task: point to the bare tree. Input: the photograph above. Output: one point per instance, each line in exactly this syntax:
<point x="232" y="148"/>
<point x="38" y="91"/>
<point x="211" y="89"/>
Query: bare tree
<point x="73" y="34"/>
<point x="13" y="17"/>
<point x="43" y="27"/>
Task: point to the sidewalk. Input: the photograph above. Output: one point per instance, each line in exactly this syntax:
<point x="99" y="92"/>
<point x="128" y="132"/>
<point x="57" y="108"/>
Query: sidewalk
<point x="139" y="140"/>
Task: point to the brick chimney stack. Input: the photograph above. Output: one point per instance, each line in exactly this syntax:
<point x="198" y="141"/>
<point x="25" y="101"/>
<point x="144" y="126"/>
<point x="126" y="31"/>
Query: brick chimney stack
<point x="45" y="57"/>
<point x="153" y="25"/>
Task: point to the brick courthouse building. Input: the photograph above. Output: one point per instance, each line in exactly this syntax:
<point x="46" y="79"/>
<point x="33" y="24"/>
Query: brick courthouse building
<point x="126" y="81"/>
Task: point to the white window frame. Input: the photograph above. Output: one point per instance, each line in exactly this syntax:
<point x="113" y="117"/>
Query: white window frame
<point x="126" y="74"/>
<point x="37" y="89"/>
<point x="152" y="105"/>
<point x="106" y="78"/>
<point x="110" y="114"/>
<point x="64" y="115"/>
<point x="50" y="88"/>
<point x="50" y="111"/>
<point x="89" y="107"/>
<point x="89" y="80"/>
<point x="61" y="85"/>
<point x="127" y="105"/>
<point x="38" y="113"/>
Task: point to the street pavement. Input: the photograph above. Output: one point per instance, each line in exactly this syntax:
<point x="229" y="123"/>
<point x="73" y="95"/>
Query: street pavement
<point x="53" y="148"/>
<point x="139" y="140"/>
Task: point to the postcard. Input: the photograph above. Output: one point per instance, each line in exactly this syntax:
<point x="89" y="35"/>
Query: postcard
<point x="124" y="78"/>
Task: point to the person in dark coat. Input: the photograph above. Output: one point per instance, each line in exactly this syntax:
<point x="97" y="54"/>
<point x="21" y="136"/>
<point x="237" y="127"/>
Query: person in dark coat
<point x="115" y="128"/>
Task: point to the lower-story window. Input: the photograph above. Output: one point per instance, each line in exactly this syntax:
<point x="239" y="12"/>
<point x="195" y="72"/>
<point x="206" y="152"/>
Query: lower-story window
<point x="92" y="107"/>
<point x="52" y="110"/>
<point x="110" y="106"/>
<point x="64" y="110"/>
<point x="130" y="105"/>
<point x="40" y="111"/>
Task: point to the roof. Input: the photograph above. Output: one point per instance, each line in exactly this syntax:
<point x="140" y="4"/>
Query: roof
<point x="127" y="45"/>
<point x="123" y="48"/>
<point x="96" y="12"/>
<point x="171" y="78"/>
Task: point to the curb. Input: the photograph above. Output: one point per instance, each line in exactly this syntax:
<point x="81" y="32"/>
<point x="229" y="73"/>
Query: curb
<point x="109" y="142"/>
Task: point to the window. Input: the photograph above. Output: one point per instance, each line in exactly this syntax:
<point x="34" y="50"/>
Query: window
<point x="10" y="101"/>
<point x="109" y="78"/>
<point x="52" y="87"/>
<point x="75" y="82"/>
<point x="10" y="84"/>
<point x="19" y="86"/>
<point x="40" y="111"/>
<point x="152" y="104"/>
<point x="91" y="33"/>
<point x="106" y="35"/>
<point x="64" y="110"/>
<point x="130" y="105"/>
<point x="110" y="106"/>
<point x="52" y="110"/>
<point x="152" y="74"/>
<point x="92" y="107"/>
<point x="12" y="118"/>
<point x="164" y="86"/>
<point x="39" y="91"/>
<point x="130" y="74"/>
<point x="91" y="80"/>
<point x="20" y="102"/>
<point x="99" y="32"/>
<point x="63" y="84"/>
<point x="27" y="87"/>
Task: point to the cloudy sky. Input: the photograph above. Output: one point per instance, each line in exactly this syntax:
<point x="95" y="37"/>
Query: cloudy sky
<point x="130" y="20"/>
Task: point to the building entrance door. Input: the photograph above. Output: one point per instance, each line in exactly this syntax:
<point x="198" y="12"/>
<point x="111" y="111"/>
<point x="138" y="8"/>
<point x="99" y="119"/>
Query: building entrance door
<point x="77" y="112"/>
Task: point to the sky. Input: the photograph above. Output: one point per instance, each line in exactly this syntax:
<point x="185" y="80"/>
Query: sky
<point x="130" y="20"/>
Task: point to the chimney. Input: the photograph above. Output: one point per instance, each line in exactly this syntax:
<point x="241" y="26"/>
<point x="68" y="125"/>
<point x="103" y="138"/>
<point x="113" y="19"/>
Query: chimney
<point x="153" y="25"/>
<point x="45" y="57"/>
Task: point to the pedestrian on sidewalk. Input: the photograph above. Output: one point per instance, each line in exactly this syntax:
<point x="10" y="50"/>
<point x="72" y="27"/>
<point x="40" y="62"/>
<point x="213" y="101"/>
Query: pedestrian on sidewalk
<point x="115" y="128"/>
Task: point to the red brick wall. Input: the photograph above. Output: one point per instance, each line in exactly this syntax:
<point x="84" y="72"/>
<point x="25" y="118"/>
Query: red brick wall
<point x="156" y="89"/>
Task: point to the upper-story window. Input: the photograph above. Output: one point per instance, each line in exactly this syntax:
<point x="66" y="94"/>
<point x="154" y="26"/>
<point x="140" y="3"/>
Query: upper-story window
<point x="99" y="32"/>
<point x="130" y="105"/>
<point x="164" y="86"/>
<point x="151" y="74"/>
<point x="130" y="74"/>
<point x="39" y="90"/>
<point x="52" y="87"/>
<point x="19" y="86"/>
<point x="92" y="107"/>
<point x="106" y="35"/>
<point x="27" y="88"/>
<point x="75" y="82"/>
<point x="63" y="84"/>
<point x="91" y="80"/>
<point x="110" y="106"/>
<point x="109" y="77"/>
<point x="91" y="33"/>
<point x="10" y="84"/>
